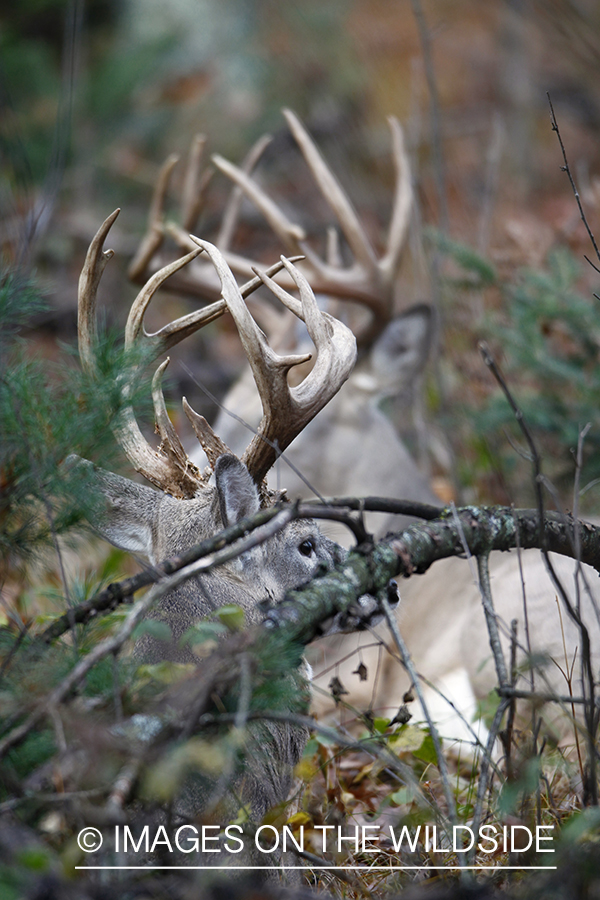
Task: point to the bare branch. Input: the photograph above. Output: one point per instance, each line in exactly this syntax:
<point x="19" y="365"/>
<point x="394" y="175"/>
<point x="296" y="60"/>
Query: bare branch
<point x="566" y="168"/>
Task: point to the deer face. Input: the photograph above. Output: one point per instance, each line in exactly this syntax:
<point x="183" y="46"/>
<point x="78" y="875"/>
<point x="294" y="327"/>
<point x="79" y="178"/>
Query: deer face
<point x="142" y="520"/>
<point x="139" y="519"/>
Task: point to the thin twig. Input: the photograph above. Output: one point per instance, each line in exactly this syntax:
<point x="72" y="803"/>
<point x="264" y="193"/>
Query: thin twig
<point x="538" y="696"/>
<point x="568" y="675"/>
<point x="485" y="767"/>
<point x="482" y="581"/>
<point x="565" y="168"/>
<point x="483" y="570"/>
<point x="507" y="734"/>
<point x="579" y="573"/>
<point x="322" y="672"/>
<point x="527" y="637"/>
<point x="123" y="786"/>
<point x="413" y="675"/>
<point x="475" y="739"/>
<point x="426" y="511"/>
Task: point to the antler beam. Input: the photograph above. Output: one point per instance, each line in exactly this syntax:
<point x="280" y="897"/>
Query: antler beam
<point x="168" y="467"/>
<point x="286" y="410"/>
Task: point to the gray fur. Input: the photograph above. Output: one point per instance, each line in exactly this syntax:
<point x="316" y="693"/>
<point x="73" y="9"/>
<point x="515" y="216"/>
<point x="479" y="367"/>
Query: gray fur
<point x="157" y="525"/>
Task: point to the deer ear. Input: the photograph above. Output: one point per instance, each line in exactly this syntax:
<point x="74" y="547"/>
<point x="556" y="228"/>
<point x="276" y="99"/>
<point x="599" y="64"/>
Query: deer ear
<point x="237" y="492"/>
<point x="127" y="513"/>
<point x="401" y="351"/>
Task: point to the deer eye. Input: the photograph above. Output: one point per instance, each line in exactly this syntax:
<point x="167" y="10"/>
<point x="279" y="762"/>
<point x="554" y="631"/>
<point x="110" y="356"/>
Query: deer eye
<point x="307" y="547"/>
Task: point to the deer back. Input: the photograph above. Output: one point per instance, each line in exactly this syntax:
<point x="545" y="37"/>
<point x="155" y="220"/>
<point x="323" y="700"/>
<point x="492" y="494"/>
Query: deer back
<point x="442" y="622"/>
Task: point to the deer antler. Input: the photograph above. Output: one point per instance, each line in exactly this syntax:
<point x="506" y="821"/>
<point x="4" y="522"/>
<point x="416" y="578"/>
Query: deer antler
<point x="168" y="467"/>
<point x="203" y="281"/>
<point x="369" y="280"/>
<point x="286" y="410"/>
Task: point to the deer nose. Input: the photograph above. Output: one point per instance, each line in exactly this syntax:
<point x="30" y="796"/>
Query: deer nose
<point x="365" y="613"/>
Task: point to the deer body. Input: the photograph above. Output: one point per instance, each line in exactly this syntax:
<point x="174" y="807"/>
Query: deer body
<point x="139" y="519"/>
<point x="442" y="621"/>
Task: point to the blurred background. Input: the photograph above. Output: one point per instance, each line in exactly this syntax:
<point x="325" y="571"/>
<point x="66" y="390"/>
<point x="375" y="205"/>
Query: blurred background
<point x="96" y="94"/>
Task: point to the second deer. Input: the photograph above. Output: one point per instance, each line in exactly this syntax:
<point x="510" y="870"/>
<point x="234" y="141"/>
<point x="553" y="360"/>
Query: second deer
<point x="352" y="449"/>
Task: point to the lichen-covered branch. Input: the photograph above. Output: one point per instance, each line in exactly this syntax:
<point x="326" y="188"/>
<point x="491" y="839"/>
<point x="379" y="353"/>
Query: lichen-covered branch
<point x="367" y="571"/>
<point x="305" y="612"/>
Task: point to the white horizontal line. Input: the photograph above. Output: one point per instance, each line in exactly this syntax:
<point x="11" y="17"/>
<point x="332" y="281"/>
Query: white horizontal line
<point x="327" y="868"/>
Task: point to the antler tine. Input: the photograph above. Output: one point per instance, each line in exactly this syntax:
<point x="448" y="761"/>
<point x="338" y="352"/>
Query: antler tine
<point x="161" y="467"/>
<point x="289" y="233"/>
<point x="135" y="320"/>
<point x="253" y="339"/>
<point x="168" y="469"/>
<point x="201" y="280"/>
<point x="328" y="334"/>
<point x="211" y="443"/>
<point x="194" y="184"/>
<point x="333" y="193"/>
<point x="401" y="210"/>
<point x="95" y="262"/>
<point x="369" y="280"/>
<point x="194" y="190"/>
<point x="170" y="444"/>
<point x="169" y="439"/>
<point x="171" y="334"/>
<point x="333" y="255"/>
<point x="155" y="229"/>
<point x="286" y="410"/>
<point x="232" y="210"/>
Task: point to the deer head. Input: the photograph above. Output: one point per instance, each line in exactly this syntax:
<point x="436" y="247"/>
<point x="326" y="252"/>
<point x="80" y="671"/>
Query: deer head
<point x="191" y="505"/>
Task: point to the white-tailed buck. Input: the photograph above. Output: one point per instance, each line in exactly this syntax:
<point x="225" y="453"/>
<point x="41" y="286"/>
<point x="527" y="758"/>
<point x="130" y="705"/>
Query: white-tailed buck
<point x="189" y="505"/>
<point x="353" y="449"/>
